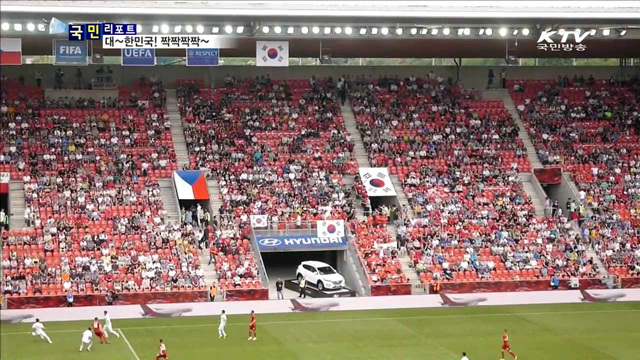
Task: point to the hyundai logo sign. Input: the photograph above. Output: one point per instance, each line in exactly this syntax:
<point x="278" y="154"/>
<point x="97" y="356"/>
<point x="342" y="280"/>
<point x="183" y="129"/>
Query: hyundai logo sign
<point x="270" y="242"/>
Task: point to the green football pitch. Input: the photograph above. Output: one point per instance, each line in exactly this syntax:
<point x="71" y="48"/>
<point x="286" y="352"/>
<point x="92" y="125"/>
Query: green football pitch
<point x="565" y="332"/>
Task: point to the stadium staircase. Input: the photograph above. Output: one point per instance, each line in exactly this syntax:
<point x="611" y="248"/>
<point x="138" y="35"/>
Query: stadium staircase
<point x="412" y="276"/>
<point x="503" y="94"/>
<point x="359" y="151"/>
<point x="17" y="205"/>
<point x="402" y="198"/>
<point x="214" y="195"/>
<point x="177" y="134"/>
<point x="348" y="181"/>
<point x="210" y="274"/>
<point x="529" y="184"/>
<point x="169" y="200"/>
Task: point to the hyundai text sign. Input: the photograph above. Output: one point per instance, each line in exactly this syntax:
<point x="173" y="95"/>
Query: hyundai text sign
<point x="70" y="52"/>
<point x="564" y="40"/>
<point x="138" y="57"/>
<point x="300" y="243"/>
<point x="203" y="57"/>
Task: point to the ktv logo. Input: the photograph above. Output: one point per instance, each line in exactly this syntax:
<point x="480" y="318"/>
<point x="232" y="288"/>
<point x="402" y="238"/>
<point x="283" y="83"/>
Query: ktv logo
<point x="547" y="38"/>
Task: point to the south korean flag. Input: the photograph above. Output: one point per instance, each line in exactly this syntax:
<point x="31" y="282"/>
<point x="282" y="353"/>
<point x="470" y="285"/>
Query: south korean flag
<point x="377" y="182"/>
<point x="272" y="53"/>
<point x="259" y="221"/>
<point x="330" y="228"/>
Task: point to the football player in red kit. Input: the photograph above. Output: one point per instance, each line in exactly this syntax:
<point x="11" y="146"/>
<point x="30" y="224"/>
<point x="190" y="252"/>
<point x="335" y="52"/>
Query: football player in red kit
<point x="97" y="329"/>
<point x="506" y="346"/>
<point x="162" y="351"/>
<point x="252" y="326"/>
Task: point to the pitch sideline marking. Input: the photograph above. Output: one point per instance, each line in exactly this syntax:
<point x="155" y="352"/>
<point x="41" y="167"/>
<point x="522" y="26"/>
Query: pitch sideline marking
<point x="129" y="344"/>
<point x="346" y="319"/>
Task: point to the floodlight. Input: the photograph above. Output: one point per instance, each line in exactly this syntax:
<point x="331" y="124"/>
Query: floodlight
<point x="503" y="32"/>
<point x="384" y="31"/>
<point x="445" y="31"/>
<point x="277" y="29"/>
<point x="188" y="28"/>
<point x="348" y="30"/>
<point x="164" y="28"/>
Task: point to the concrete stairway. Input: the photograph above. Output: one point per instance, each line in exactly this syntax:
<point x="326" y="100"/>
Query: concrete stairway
<point x="359" y="151"/>
<point x="402" y="198"/>
<point x="169" y="200"/>
<point x="210" y="274"/>
<point x="602" y="270"/>
<point x="538" y="203"/>
<point x="503" y="94"/>
<point x="348" y="181"/>
<point x="214" y="195"/>
<point x="405" y="261"/>
<point x="17" y="205"/>
<point x="177" y="133"/>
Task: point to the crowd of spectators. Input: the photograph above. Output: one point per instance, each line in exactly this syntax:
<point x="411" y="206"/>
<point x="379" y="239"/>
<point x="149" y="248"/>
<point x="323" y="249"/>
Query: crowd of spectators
<point x="590" y="128"/>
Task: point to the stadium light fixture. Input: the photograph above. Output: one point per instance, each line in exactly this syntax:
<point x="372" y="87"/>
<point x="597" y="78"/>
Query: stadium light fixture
<point x="164" y="28"/>
<point x="414" y="31"/>
<point x="17" y="27"/>
<point x="327" y="30"/>
<point x="265" y="29"/>
<point x="315" y="30"/>
<point x="291" y="30"/>
<point x="363" y="31"/>
<point x="304" y="29"/>
<point x="467" y="31"/>
<point x="215" y="29"/>
<point x="560" y="31"/>
<point x="503" y="32"/>
<point x="515" y="32"/>
<point x="435" y="31"/>
<point x="277" y="29"/>
<point x="374" y="31"/>
<point x="460" y="31"/>
<point x="399" y="31"/>
<point x="425" y="32"/>
<point x="155" y="29"/>
<point x="593" y="32"/>
<point x="337" y="30"/>
<point x="200" y="29"/>
<point x="139" y="28"/>
<point x="481" y="31"/>
<point x="31" y="27"/>
<point x="623" y="32"/>
<point x="239" y="29"/>
<point x="606" y="32"/>
<point x="42" y="27"/>
<point x="384" y="31"/>
<point x="489" y="31"/>
<point x="228" y="29"/>
<point x="177" y="29"/>
<point x="525" y="32"/>
<point x="6" y="26"/>
<point x="446" y="31"/>
<point x="348" y="30"/>
<point x="188" y="28"/>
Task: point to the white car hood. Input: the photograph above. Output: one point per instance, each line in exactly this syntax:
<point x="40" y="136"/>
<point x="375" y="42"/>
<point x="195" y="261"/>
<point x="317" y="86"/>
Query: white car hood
<point x="333" y="277"/>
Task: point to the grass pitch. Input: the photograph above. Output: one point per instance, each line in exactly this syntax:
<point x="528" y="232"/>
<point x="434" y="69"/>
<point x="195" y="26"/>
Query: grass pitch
<point x="565" y="332"/>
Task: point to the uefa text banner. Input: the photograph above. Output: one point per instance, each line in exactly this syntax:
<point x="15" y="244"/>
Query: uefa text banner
<point x="70" y="52"/>
<point x="167" y="42"/>
<point x="10" y="51"/>
<point x="138" y="57"/>
<point x="377" y="182"/>
<point x="272" y="53"/>
<point x="203" y="57"/>
<point x="300" y="243"/>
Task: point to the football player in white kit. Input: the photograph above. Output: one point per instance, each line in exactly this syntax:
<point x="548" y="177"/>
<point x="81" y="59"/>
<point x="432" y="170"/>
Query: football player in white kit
<point x="223" y="324"/>
<point x="108" y="327"/>
<point x="38" y="330"/>
<point x="87" y="339"/>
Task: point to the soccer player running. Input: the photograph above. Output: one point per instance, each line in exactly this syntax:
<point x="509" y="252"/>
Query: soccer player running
<point x="162" y="351"/>
<point x="97" y="329"/>
<point x="252" y="326"/>
<point x="506" y="346"/>
<point x="38" y="330"/>
<point x="87" y="339"/>
<point x="464" y="356"/>
<point x="108" y="327"/>
<point x="223" y="324"/>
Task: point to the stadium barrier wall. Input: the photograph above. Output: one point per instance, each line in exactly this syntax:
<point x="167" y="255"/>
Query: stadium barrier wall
<point x="246" y="294"/>
<point x="321" y="304"/>
<point x="471" y="76"/>
<point x="392" y="289"/>
<point x="522" y="285"/>
<point x="58" y="301"/>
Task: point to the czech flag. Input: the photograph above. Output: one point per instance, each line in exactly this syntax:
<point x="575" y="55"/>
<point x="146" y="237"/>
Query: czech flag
<point x="191" y="185"/>
<point x="330" y="228"/>
<point x="10" y="51"/>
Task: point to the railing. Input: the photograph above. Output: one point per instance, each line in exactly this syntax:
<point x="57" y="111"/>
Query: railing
<point x="263" y="270"/>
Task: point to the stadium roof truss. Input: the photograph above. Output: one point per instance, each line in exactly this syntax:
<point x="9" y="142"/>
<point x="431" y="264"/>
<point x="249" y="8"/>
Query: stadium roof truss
<point x="393" y="29"/>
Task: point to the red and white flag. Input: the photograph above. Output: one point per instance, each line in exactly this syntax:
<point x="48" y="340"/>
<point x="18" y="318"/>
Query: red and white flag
<point x="259" y="221"/>
<point x="272" y="53"/>
<point x="330" y="228"/>
<point x="10" y="51"/>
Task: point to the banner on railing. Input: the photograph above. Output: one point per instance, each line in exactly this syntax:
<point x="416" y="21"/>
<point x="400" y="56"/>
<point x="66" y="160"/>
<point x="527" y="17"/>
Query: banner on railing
<point x="4" y="182"/>
<point x="191" y="185"/>
<point x="300" y="243"/>
<point x="330" y="228"/>
<point x="259" y="221"/>
<point x="550" y="176"/>
<point x="377" y="182"/>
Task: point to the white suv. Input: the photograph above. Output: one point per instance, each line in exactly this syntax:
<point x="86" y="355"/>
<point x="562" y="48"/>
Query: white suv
<point x="321" y="274"/>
